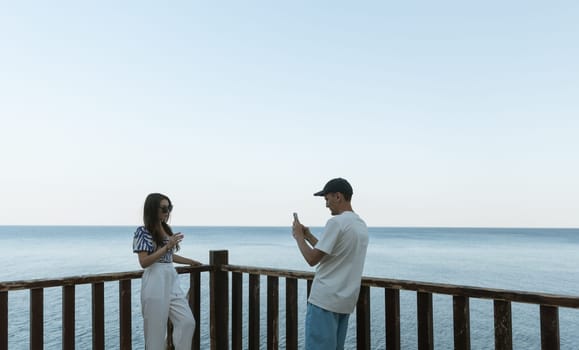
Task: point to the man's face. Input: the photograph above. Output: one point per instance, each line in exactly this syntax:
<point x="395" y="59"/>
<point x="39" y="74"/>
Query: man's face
<point x="332" y="200"/>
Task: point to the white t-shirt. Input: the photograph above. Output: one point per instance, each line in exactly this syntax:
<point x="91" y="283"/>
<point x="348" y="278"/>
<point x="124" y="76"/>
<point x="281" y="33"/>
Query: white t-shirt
<point x="338" y="275"/>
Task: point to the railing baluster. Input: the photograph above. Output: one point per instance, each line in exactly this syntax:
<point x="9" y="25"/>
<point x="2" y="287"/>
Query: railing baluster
<point x="291" y="313"/>
<point x="503" y="325"/>
<point x="68" y="317"/>
<point x="236" y="311"/>
<point x="125" y="314"/>
<point x="549" y="328"/>
<point x="98" y="316"/>
<point x="219" y="293"/>
<point x="194" y="302"/>
<point x="253" y="339"/>
<point x="363" y="319"/>
<point x="272" y="312"/>
<point x="37" y="318"/>
<point x="392" y="310"/>
<point x="3" y="320"/>
<point x="461" y="318"/>
<point x="309" y="287"/>
<point x="169" y="338"/>
<point x="195" y="305"/>
<point x="425" y="323"/>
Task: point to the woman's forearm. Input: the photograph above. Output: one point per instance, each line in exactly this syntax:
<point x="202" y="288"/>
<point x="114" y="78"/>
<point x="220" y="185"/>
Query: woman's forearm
<point x="183" y="260"/>
<point x="147" y="260"/>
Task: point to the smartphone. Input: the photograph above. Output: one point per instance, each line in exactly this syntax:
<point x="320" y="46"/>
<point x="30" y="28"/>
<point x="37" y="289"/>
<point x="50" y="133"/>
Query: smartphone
<point x="296" y="217"/>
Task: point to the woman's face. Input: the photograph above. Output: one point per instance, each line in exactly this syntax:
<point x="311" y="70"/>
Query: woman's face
<point x="164" y="210"/>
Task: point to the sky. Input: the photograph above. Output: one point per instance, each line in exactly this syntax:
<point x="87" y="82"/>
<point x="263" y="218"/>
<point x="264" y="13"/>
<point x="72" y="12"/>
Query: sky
<point x="439" y="113"/>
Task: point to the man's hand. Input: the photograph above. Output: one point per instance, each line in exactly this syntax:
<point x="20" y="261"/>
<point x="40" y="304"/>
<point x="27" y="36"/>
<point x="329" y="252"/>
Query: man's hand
<point x="303" y="235"/>
<point x="298" y="230"/>
<point x="312" y="240"/>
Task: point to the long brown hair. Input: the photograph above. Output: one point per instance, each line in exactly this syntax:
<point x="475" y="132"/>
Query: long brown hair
<point x="151" y="218"/>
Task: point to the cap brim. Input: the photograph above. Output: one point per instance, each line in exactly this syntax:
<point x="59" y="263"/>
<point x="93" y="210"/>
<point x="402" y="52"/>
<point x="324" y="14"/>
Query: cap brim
<point x="320" y="193"/>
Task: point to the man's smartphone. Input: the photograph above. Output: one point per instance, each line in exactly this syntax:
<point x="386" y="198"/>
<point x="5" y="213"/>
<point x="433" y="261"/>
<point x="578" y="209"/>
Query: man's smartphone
<point x="308" y="235"/>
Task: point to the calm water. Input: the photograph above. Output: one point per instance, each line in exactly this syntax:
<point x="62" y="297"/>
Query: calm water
<point x="538" y="260"/>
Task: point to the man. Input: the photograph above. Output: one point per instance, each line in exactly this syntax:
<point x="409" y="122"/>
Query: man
<point x="339" y="256"/>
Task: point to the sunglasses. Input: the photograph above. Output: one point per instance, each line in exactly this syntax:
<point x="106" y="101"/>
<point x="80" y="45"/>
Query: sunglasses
<point x="166" y="209"/>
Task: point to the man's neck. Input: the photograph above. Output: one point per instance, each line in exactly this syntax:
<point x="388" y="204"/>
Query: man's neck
<point x="346" y="207"/>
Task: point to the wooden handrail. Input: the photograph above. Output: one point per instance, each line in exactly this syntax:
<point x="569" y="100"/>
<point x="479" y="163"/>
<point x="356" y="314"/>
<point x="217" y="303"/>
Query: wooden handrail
<point x="268" y="271"/>
<point x="88" y="279"/>
<point x="427" y="287"/>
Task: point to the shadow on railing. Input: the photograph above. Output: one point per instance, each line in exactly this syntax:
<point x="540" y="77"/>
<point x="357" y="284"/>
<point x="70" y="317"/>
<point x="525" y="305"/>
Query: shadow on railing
<point x="221" y="317"/>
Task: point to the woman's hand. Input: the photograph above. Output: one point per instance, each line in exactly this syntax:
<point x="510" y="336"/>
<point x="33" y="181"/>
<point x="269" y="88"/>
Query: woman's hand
<point x="183" y="260"/>
<point x="174" y="240"/>
<point x="195" y="263"/>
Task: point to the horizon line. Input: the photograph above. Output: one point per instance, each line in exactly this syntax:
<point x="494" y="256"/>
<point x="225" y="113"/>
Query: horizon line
<point x="277" y="226"/>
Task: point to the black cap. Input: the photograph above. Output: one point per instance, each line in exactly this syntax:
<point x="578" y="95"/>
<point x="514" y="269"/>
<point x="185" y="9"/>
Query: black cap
<point x="336" y="185"/>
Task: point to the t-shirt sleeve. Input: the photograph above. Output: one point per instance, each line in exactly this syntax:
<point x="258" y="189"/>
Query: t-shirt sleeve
<point x="329" y="237"/>
<point x="142" y="241"/>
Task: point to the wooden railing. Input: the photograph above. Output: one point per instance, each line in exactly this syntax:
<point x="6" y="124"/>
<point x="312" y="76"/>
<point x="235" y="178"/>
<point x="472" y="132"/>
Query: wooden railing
<point x="36" y="288"/>
<point x="502" y="299"/>
<point x="222" y="317"/>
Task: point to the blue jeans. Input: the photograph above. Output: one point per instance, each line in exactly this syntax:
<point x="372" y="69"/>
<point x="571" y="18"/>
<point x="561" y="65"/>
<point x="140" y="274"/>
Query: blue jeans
<point x="325" y="330"/>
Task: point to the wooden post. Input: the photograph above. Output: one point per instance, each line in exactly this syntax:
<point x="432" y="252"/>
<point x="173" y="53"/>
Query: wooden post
<point x="392" y="310"/>
<point x="68" y="317"/>
<point x="219" y="291"/>
<point x="125" y="314"/>
<point x="195" y="305"/>
<point x="237" y="311"/>
<point x="291" y="313"/>
<point x="98" y="316"/>
<point x="253" y="326"/>
<point x="272" y="312"/>
<point x="37" y="318"/>
<point x="461" y="312"/>
<point x="363" y="319"/>
<point x="425" y="321"/>
<point x="550" y="328"/>
<point x="3" y="320"/>
<point x="503" y="325"/>
<point x="169" y="339"/>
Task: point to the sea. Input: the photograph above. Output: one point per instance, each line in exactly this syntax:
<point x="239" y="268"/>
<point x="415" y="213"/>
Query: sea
<point x="542" y="260"/>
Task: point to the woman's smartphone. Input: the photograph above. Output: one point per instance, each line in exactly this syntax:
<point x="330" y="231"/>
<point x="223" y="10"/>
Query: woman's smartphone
<point x="296" y="217"/>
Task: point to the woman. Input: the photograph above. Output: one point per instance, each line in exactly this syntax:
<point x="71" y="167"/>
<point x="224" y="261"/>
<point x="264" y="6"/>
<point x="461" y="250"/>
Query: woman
<point x="161" y="296"/>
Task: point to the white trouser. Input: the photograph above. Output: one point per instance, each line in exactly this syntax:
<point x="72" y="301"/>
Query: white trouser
<point x="163" y="299"/>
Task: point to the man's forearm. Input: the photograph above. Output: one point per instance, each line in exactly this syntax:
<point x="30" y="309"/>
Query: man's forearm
<point x="307" y="251"/>
<point x="312" y="240"/>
